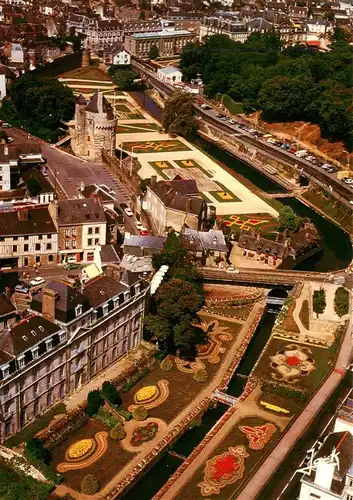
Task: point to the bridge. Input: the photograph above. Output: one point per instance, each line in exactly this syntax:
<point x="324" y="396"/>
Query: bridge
<point x="263" y="276"/>
<point x="224" y="398"/>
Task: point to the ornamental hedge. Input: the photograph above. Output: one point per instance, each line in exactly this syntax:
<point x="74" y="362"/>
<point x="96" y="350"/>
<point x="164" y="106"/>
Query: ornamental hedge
<point x="140" y="413"/>
<point x="111" y="394"/>
<point x="118" y="432"/>
<point x="89" y="485"/>
<point x="94" y="400"/>
<point x="341" y="301"/>
<point x="167" y="364"/>
<point x="200" y="376"/>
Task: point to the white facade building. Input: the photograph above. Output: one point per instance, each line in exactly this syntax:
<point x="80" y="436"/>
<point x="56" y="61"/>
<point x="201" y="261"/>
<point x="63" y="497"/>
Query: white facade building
<point x="170" y="75"/>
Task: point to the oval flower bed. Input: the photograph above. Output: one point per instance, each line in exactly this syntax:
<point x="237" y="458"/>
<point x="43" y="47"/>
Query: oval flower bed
<point x="144" y="434"/>
<point x="81" y="448"/>
<point x="146" y="393"/>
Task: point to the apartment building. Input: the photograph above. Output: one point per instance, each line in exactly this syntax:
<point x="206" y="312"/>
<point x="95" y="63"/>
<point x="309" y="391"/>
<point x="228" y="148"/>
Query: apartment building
<point x="168" y="42"/>
<point x="28" y="236"/>
<point x="8" y="161"/>
<point x="81" y="226"/>
<point x="70" y="335"/>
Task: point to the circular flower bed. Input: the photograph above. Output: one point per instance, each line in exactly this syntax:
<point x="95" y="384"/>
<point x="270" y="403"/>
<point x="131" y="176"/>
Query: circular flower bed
<point x="293" y="361"/>
<point x="144" y="434"/>
<point x="81" y="448"/>
<point x="146" y="393"/>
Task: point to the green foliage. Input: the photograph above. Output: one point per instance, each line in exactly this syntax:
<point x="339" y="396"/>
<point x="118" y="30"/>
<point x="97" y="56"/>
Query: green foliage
<point x="118" y="432"/>
<point x="40" y="103"/>
<point x="123" y="77"/>
<point x="136" y="377"/>
<point x="288" y="218"/>
<point x="38" y="425"/>
<point x="111" y="393"/>
<point x="341" y="301"/>
<point x="15" y="485"/>
<point x="106" y="418"/>
<point x="35" y="450"/>
<point x="178" y="115"/>
<point x="200" y="376"/>
<point x="197" y="422"/>
<point x="280" y="390"/>
<point x="33" y="185"/>
<point x="167" y="364"/>
<point x="89" y="485"/>
<point x="127" y="415"/>
<point x="153" y="53"/>
<point x="287" y="84"/>
<point x="94" y="400"/>
<point x="140" y="413"/>
<point x="319" y="301"/>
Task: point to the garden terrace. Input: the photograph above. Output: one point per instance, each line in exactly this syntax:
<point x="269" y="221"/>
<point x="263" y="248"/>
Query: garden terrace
<point x="166" y="146"/>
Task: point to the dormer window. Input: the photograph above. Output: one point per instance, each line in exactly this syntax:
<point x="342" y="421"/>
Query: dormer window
<point x="78" y="310"/>
<point x="5" y="371"/>
<point x="35" y="352"/>
<point x="61" y="337"/>
<point x="137" y="288"/>
<point x="126" y="295"/>
<point x="116" y="301"/>
<point x="105" y="309"/>
<point x="49" y="344"/>
<point x="21" y="361"/>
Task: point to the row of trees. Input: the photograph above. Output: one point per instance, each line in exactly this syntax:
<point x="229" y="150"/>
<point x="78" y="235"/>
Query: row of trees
<point x="286" y="84"/>
<point x="176" y="303"/>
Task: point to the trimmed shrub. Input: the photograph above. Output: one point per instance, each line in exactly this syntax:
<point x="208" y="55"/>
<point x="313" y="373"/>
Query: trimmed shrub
<point x="106" y="418"/>
<point x="118" y="432"/>
<point x="111" y="393"/>
<point x="89" y="485"/>
<point x="94" y="400"/>
<point x="140" y="413"/>
<point x="127" y="415"/>
<point x="35" y="450"/>
<point x="286" y="392"/>
<point x="166" y="365"/>
<point x="341" y="302"/>
<point x="200" y="376"/>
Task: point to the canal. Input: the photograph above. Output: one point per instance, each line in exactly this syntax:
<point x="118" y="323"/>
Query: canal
<point x="337" y="247"/>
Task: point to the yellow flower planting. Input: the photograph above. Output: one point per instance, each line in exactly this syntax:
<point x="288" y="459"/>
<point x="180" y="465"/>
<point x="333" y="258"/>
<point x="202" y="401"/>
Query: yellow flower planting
<point x="146" y="393"/>
<point x="80" y="448"/>
<point x="274" y="407"/>
<point x="225" y="195"/>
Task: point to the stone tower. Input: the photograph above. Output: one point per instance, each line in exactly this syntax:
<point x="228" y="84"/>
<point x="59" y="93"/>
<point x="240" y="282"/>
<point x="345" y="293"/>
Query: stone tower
<point x="93" y="128"/>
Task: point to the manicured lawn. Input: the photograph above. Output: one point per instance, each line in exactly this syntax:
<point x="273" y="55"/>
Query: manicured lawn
<point x="104" y="468"/>
<point x="135" y="116"/>
<point x="159" y="166"/>
<point x="123" y="129"/>
<point x="167" y="146"/>
<point x="292" y="405"/>
<point x="224" y="195"/>
<point x="264" y="223"/>
<point x="123" y="108"/>
<point x="192" y="491"/>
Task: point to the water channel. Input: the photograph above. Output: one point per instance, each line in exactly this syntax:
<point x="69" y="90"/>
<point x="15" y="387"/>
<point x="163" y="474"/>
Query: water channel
<point x="337" y="248"/>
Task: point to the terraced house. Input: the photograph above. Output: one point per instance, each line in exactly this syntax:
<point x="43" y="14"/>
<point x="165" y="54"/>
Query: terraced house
<point x="69" y="336"/>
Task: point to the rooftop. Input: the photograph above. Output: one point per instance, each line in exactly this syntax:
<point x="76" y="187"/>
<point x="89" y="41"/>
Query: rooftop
<point x="161" y="34"/>
<point x="26" y="221"/>
<point x="169" y="70"/>
<point x="6" y="306"/>
<point x="102" y="289"/>
<point x="80" y="211"/>
<point x="132" y="240"/>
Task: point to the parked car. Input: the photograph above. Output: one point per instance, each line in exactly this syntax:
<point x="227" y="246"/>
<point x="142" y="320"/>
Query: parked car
<point x="348" y="180"/>
<point x="128" y="212"/>
<point x="37" y="281"/>
<point x="6" y="125"/>
<point x="231" y="269"/>
<point x="21" y="288"/>
<point x="72" y="266"/>
<point x="139" y="225"/>
<point x="301" y="153"/>
<point x="9" y="140"/>
<point x="144" y="232"/>
<point x="232" y="122"/>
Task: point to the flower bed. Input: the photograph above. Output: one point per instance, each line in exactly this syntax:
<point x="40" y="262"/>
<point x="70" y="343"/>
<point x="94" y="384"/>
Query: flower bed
<point x="80" y="448"/>
<point x="144" y="434"/>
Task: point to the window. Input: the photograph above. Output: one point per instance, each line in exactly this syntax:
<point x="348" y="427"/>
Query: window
<point x="51" y="258"/>
<point x="96" y="230"/>
<point x="37" y="247"/>
<point x="40" y="237"/>
<point x="25" y="247"/>
<point x="25" y="238"/>
<point x="14" y="248"/>
<point x="35" y="352"/>
<point x="67" y="232"/>
<point x="21" y="362"/>
<point x="67" y="244"/>
<point x="90" y="230"/>
<point x="38" y="258"/>
<point x="48" y="246"/>
<point x="15" y="238"/>
<point x="78" y="310"/>
<point x="73" y="243"/>
<point x="49" y="344"/>
<point x="73" y="231"/>
<point x="96" y="241"/>
<point x="5" y="371"/>
<point x="90" y="242"/>
<point x="48" y="236"/>
<point x="61" y="336"/>
<point x="105" y="309"/>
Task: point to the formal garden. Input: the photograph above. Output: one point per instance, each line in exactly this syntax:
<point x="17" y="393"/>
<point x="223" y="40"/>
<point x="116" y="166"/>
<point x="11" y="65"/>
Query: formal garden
<point x="263" y="224"/>
<point x="167" y="146"/>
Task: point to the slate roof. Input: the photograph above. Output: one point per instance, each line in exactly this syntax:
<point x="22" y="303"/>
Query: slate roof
<point x="102" y="289"/>
<point x="80" y="99"/>
<point x="99" y="104"/>
<point x="179" y="195"/>
<point x="34" y="172"/>
<point x="6" y="307"/>
<point x="26" y="333"/>
<point x="108" y="254"/>
<point x="38" y="222"/>
<point x="132" y="240"/>
<point x="199" y="241"/>
<point x="80" y="211"/>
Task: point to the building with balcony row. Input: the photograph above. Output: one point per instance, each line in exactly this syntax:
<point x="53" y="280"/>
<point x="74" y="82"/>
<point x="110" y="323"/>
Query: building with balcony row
<point x="68" y="337"/>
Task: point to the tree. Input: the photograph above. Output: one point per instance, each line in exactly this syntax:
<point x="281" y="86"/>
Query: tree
<point x="153" y="53"/>
<point x="111" y="393"/>
<point x="176" y="305"/>
<point x="341" y="301"/>
<point x="123" y="77"/>
<point x="178" y="115"/>
<point x="288" y="219"/>
<point x="33" y="185"/>
<point x="319" y="301"/>
<point x="89" y="484"/>
<point x="36" y="451"/>
<point x="94" y="400"/>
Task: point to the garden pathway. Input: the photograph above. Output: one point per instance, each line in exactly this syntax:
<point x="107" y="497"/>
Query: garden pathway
<point x="206" y="393"/>
<point x="222" y="318"/>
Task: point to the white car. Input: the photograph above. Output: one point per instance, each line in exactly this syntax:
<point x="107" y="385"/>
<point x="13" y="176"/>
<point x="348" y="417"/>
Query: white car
<point x="128" y="212"/>
<point x="349" y="180"/>
<point x="232" y="270"/>
<point x="139" y="225"/>
<point x="37" y="281"/>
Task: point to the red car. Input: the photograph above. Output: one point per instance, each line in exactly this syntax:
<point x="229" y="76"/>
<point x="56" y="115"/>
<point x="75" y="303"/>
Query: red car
<point x="144" y="232"/>
<point x="292" y="150"/>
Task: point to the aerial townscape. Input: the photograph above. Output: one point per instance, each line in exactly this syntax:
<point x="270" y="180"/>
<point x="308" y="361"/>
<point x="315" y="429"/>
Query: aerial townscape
<point x="176" y="249"/>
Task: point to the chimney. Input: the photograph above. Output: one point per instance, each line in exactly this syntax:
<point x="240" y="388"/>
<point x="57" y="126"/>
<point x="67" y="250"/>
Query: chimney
<point x="153" y="181"/>
<point x="85" y="59"/>
<point x="7" y="292"/>
<point x="6" y="151"/>
<point x="22" y="214"/>
<point x="49" y="298"/>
